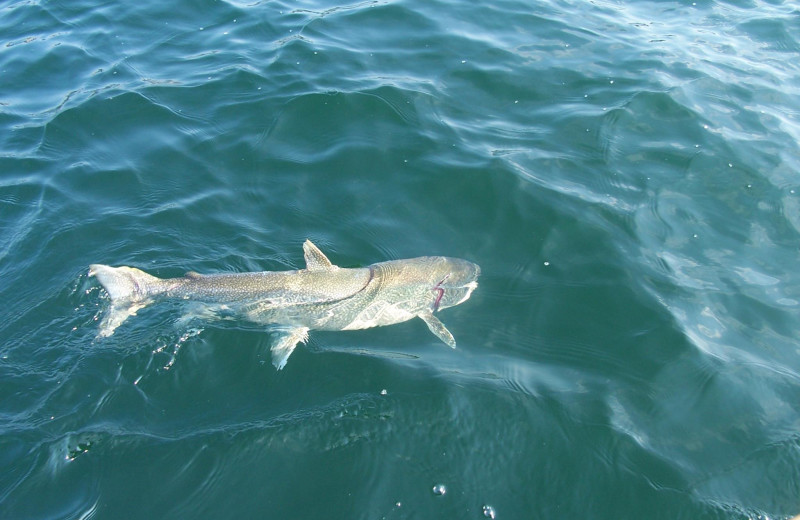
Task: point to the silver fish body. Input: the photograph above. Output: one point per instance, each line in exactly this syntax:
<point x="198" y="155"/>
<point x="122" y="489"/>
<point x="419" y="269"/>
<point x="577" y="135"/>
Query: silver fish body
<point x="320" y="297"/>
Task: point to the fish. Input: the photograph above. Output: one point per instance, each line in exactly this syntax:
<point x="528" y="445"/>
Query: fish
<point x="323" y="296"/>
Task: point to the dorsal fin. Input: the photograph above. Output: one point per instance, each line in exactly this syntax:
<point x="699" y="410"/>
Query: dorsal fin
<point x="193" y="274"/>
<point x="316" y="259"/>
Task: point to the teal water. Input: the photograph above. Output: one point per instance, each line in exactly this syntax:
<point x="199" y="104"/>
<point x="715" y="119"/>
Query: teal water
<point x="627" y="175"/>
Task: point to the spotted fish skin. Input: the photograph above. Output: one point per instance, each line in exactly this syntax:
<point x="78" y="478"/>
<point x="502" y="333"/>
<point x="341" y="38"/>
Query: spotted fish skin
<point x="322" y="296"/>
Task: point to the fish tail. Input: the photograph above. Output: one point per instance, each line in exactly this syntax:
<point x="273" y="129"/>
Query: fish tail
<point x="129" y="288"/>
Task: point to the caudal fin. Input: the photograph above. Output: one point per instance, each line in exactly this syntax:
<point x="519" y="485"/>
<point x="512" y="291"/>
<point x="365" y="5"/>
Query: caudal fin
<point x="129" y="289"/>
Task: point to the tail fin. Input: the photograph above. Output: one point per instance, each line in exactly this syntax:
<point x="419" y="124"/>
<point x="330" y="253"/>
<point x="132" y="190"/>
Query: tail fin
<point x="129" y="289"/>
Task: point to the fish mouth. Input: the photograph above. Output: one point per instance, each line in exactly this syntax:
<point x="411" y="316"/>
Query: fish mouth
<point x="462" y="292"/>
<point x="471" y="286"/>
<point x="467" y="288"/>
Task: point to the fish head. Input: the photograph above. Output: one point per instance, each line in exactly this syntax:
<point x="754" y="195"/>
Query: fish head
<point x="431" y="282"/>
<point x="453" y="281"/>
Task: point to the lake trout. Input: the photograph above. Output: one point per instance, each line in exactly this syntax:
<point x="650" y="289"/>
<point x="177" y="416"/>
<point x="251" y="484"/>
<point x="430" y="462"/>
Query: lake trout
<point x="322" y="296"/>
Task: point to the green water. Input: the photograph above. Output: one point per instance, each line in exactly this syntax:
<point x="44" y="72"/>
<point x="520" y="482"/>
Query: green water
<point x="625" y="174"/>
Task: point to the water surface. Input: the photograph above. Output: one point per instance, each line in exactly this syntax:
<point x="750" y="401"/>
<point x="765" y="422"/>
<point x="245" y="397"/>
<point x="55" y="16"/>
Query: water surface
<point x="625" y="174"/>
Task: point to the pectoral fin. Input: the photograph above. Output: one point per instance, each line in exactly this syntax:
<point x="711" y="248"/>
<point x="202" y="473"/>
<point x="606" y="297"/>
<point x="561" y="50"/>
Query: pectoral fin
<point x="285" y="343"/>
<point x="438" y="328"/>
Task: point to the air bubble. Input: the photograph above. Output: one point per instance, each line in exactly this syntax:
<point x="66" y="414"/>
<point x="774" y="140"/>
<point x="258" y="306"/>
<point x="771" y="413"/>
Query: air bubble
<point x="439" y="489"/>
<point x="489" y="512"/>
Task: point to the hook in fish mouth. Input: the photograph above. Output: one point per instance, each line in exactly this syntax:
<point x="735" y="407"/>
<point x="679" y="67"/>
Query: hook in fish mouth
<point x="439" y="293"/>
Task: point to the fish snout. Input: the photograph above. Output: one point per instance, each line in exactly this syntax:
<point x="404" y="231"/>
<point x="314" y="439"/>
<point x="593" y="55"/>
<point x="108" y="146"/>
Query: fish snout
<point x="463" y="274"/>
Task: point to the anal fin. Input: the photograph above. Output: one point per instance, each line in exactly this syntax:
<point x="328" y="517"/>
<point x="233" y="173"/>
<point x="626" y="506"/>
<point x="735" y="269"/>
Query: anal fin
<point x="438" y="328"/>
<point x="286" y="341"/>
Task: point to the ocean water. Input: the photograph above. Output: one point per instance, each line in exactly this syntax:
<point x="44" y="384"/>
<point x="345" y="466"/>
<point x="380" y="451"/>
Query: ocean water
<point x="626" y="174"/>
